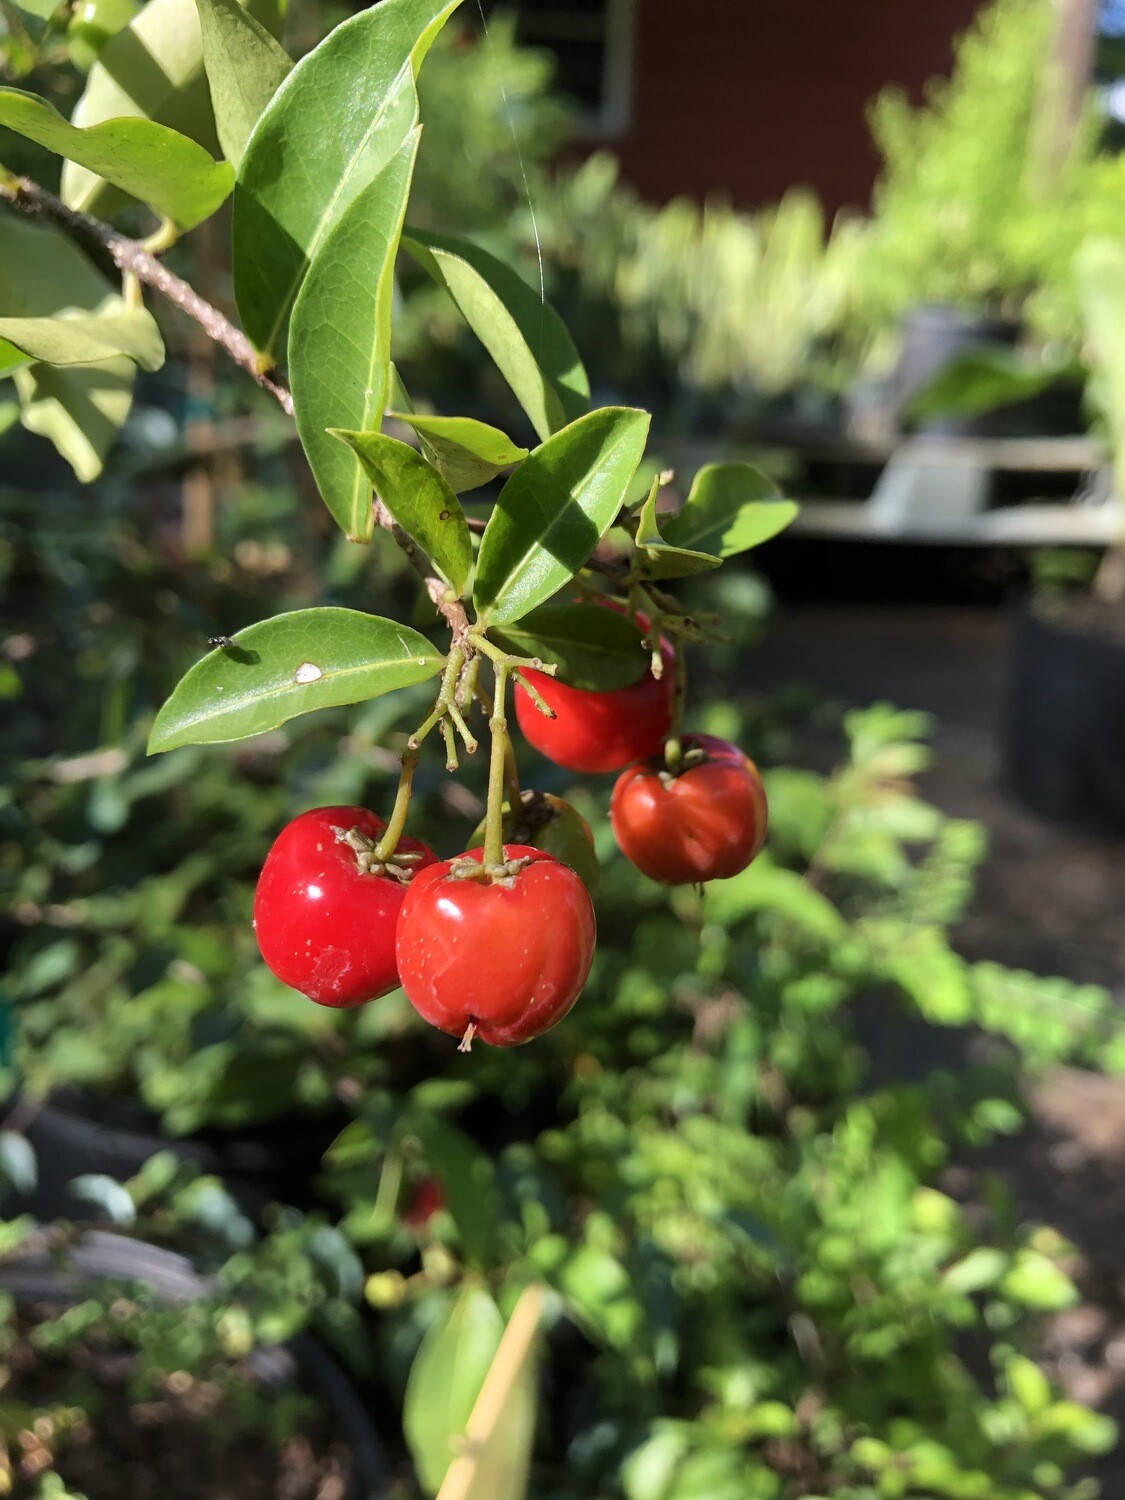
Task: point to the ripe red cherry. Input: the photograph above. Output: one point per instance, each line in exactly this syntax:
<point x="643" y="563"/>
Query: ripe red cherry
<point x="326" y="926"/>
<point x="427" y="1199"/>
<point x="594" y="732"/>
<point x="506" y="958"/>
<point x="705" y="822"/>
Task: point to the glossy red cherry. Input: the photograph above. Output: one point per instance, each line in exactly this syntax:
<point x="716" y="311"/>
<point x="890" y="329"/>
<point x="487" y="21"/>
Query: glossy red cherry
<point x="505" y="957"/>
<point x="324" y="923"/>
<point x="593" y="732"/>
<point x="706" y="821"/>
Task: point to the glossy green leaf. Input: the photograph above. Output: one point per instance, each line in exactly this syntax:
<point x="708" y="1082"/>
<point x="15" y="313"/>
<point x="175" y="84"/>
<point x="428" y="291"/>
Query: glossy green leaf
<point x="526" y="338"/>
<point x="555" y="509"/>
<point x="337" y="120"/>
<point x="595" y="648"/>
<point x="445" y="1380"/>
<point x="292" y="664"/>
<point x="151" y="162"/>
<point x="153" y="70"/>
<point x="245" y="67"/>
<point x="79" y="408"/>
<point x="465" y="452"/>
<point x="82" y="339"/>
<point x="662" y="559"/>
<point x="729" y="509"/>
<point x="340" y="339"/>
<point x="419" y="499"/>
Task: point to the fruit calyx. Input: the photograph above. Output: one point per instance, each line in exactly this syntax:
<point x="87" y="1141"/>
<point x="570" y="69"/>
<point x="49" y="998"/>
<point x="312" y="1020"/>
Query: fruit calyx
<point x="501" y="874"/>
<point x="398" y="866"/>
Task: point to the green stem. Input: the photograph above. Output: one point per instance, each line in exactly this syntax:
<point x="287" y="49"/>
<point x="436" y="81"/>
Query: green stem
<point x="444" y="698"/>
<point x="511" y="769"/>
<point x="389" y="842"/>
<point x="494" y="816"/>
<point x="673" y="746"/>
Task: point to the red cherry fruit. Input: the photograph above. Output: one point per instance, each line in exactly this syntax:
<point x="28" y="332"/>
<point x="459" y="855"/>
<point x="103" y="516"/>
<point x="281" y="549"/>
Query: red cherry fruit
<point x="507" y="957"/>
<point x="427" y="1199"/>
<point x="325" y="925"/>
<point x="595" y="732"/>
<point x="706" y="821"/>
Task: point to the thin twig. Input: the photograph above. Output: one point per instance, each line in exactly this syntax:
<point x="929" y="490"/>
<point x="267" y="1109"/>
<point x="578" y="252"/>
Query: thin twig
<point x="130" y="256"/>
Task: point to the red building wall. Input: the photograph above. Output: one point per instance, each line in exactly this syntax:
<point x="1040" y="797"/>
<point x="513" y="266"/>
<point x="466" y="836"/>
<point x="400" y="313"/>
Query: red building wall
<point x="753" y="96"/>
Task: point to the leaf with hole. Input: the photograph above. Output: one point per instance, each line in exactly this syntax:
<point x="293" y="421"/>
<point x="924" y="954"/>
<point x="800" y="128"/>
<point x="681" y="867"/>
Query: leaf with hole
<point x="337" y="120"/>
<point x="245" y="67"/>
<point x="445" y="1380"/>
<point x="419" y="499"/>
<point x="340" y="339"/>
<point x="465" y="452"/>
<point x="595" y="648"/>
<point x="555" y="509"/>
<point x="290" y="665"/>
<point x="151" y="70"/>
<point x="526" y="338"/>
<point x="730" y="508"/>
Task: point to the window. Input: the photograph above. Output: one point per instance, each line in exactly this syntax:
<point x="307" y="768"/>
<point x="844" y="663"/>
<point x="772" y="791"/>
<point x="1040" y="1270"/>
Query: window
<point x="592" y="42"/>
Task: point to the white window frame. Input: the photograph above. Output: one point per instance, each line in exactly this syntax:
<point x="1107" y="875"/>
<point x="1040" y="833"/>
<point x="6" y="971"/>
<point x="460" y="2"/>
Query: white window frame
<point x="616" y="29"/>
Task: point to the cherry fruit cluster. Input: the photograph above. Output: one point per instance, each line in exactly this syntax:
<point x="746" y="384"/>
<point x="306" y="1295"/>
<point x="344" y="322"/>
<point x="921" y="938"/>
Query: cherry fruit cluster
<point x="501" y="951"/>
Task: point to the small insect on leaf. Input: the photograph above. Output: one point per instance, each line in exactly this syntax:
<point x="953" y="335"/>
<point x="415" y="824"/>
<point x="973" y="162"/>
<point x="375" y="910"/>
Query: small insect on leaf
<point x="219" y="641"/>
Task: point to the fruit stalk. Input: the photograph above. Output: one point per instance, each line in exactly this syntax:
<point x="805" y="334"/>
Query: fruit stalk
<point x="397" y="821"/>
<point x="497" y="765"/>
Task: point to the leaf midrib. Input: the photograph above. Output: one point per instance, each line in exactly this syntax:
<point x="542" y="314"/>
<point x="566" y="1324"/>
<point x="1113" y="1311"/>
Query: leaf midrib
<point x="376" y="120"/>
<point x="330" y="675"/>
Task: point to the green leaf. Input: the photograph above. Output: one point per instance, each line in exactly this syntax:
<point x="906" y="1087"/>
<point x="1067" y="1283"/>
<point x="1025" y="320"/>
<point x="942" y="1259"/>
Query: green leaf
<point x="82" y="339"/>
<point x="153" y="70"/>
<point x="445" y="1380"/>
<point x="596" y="649"/>
<point x="555" y="509"/>
<point x="1037" y="1282"/>
<point x="340" y="339"/>
<point x="468" y="1178"/>
<point x="501" y="1429"/>
<point x="151" y="162"/>
<point x="419" y="499"/>
<point x="526" y="338"/>
<point x="729" y="509"/>
<point x="765" y="886"/>
<point x="79" y="408"/>
<point x="665" y="561"/>
<point x="1099" y="269"/>
<point x="292" y="664"/>
<point x="982" y="379"/>
<point x="465" y="452"/>
<point x="337" y="120"/>
<point x="245" y="68"/>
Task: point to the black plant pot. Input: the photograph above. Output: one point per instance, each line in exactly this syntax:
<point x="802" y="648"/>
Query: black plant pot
<point x="1065" y="732"/>
<point x="936" y="334"/>
<point x="933" y="336"/>
<point x="43" y="1275"/>
<point x="75" y="1133"/>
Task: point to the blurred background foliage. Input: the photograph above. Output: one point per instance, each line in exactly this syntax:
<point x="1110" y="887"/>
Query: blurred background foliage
<point x="730" y="1165"/>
